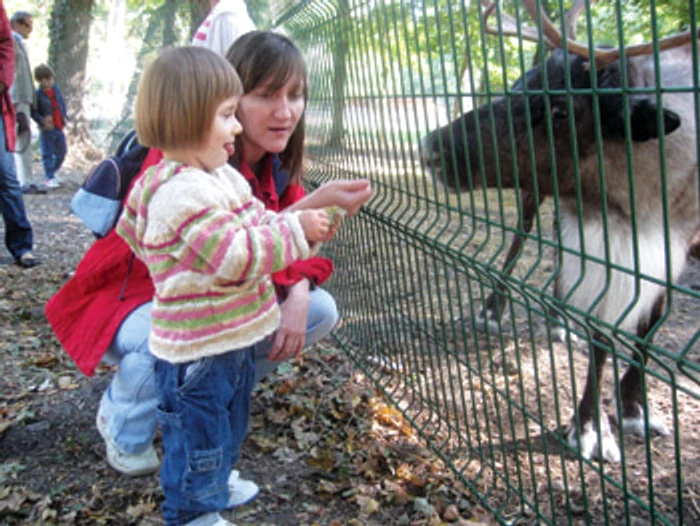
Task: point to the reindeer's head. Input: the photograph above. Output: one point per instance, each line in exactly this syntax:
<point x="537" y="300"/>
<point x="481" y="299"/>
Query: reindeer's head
<point x="544" y="124"/>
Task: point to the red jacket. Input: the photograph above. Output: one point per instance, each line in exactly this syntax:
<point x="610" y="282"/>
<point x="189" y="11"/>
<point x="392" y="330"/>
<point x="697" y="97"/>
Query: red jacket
<point x="109" y="282"/>
<point x="7" y="77"/>
<point x="87" y="311"/>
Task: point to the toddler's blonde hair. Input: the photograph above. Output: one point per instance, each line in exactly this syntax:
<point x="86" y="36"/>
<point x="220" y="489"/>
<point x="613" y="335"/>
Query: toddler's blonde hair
<point x="178" y="96"/>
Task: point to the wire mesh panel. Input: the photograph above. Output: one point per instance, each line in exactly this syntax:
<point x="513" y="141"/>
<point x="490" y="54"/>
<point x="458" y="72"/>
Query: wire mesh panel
<point x="557" y="375"/>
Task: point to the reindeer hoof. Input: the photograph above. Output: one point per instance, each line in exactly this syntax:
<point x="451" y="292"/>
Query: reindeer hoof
<point x="560" y="334"/>
<point x="635" y="425"/>
<point x="489" y="324"/>
<point x="587" y="441"/>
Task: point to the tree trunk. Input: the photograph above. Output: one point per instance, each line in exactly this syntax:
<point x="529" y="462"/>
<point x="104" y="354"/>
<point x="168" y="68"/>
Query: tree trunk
<point x="169" y="14"/>
<point x="69" y="29"/>
<point x="149" y="45"/>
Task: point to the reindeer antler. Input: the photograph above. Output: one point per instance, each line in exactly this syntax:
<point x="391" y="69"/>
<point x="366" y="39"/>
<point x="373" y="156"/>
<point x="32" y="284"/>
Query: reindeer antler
<point x="600" y="56"/>
<point x="509" y="25"/>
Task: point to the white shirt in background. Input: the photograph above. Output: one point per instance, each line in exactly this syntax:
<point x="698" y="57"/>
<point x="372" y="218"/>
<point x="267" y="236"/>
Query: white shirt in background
<point x="225" y="23"/>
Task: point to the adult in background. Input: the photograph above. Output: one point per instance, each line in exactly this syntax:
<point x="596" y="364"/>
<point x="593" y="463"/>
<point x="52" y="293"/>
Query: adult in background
<point x="226" y="22"/>
<point x="18" y="231"/>
<point x="22" y="93"/>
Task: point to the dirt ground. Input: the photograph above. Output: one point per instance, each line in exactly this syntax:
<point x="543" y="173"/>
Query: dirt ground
<point x="323" y="447"/>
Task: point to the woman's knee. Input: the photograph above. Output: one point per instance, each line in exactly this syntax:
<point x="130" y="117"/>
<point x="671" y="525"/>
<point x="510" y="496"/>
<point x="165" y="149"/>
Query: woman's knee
<point x="323" y="316"/>
<point x="132" y="335"/>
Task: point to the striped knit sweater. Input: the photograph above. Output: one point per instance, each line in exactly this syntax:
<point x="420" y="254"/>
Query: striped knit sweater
<point x="210" y="247"/>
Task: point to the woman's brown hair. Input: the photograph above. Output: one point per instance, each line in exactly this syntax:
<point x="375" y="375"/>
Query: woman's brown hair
<point x="263" y="56"/>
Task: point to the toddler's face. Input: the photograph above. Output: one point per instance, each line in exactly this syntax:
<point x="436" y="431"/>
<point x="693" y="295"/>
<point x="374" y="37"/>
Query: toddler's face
<point x="219" y="145"/>
<point x="46" y="82"/>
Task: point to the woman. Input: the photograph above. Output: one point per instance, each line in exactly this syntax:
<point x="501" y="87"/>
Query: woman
<point x="269" y="153"/>
<point x="103" y="311"/>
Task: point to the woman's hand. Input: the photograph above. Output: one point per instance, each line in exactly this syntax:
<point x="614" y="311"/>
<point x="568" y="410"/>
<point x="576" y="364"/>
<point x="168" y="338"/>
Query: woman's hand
<point x="349" y="194"/>
<point x="290" y="337"/>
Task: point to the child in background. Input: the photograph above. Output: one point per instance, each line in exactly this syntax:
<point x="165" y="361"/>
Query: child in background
<point x="210" y="247"/>
<point x="49" y="112"/>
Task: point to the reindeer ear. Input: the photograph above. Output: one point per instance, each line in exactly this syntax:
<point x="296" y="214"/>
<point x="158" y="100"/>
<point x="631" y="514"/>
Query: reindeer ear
<point x="645" y="124"/>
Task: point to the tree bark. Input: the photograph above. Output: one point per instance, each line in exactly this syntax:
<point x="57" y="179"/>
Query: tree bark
<point x="149" y="45"/>
<point x="69" y="29"/>
<point x="169" y="14"/>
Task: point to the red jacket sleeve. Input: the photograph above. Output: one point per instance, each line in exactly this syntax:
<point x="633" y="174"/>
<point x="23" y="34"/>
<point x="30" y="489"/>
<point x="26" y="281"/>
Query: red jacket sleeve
<point x="7" y="75"/>
<point x="7" y="50"/>
<point x="316" y="269"/>
<point x="291" y="195"/>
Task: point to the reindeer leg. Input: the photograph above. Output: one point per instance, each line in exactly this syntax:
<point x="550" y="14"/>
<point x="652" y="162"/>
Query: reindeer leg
<point x="495" y="303"/>
<point x="560" y="331"/>
<point x="585" y="427"/>
<point x="631" y="388"/>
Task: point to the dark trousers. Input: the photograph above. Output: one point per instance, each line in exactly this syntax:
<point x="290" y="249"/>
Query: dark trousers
<point x="18" y="232"/>
<point x="53" y="151"/>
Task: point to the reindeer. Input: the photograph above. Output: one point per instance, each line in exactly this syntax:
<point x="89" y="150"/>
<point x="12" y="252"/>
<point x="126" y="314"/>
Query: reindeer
<point x="608" y="220"/>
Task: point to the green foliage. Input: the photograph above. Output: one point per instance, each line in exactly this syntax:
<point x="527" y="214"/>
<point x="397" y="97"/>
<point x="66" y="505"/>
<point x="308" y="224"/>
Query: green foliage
<point x="449" y="51"/>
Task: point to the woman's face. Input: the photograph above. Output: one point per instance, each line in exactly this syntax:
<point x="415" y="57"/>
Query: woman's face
<point x="270" y="117"/>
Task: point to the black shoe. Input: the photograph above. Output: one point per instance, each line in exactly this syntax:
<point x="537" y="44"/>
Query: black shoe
<point x="34" y="189"/>
<point x="27" y="260"/>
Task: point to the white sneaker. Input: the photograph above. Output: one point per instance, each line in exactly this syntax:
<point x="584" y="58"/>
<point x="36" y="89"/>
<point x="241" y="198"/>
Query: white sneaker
<point x="210" y="519"/>
<point x="52" y="183"/>
<point x="240" y="491"/>
<point x="130" y="464"/>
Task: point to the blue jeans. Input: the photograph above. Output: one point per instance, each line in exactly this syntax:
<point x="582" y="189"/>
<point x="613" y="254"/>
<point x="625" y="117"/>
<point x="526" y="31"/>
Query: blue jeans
<point x="129" y="402"/>
<point x="53" y="151"/>
<point x="203" y="413"/>
<point x="19" y="237"/>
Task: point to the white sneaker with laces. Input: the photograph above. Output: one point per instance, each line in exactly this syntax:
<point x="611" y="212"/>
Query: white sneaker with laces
<point x="210" y="519"/>
<point x="130" y="464"/>
<point x="240" y="491"/>
<point x="52" y="183"/>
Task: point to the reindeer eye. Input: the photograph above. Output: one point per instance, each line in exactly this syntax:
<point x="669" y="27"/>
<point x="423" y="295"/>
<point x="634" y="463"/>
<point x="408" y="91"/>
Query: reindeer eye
<point x="560" y="112"/>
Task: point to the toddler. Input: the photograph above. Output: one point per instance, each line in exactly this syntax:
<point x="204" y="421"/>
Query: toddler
<point x="210" y="247"/>
<point x="49" y="112"/>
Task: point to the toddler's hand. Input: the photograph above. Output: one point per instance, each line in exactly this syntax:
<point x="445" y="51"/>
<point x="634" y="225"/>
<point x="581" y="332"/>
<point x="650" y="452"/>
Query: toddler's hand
<point x="47" y="123"/>
<point x="315" y="224"/>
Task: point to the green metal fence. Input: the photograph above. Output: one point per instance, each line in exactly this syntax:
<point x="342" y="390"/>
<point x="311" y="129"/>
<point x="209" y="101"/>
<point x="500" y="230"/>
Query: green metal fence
<point x="415" y="267"/>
